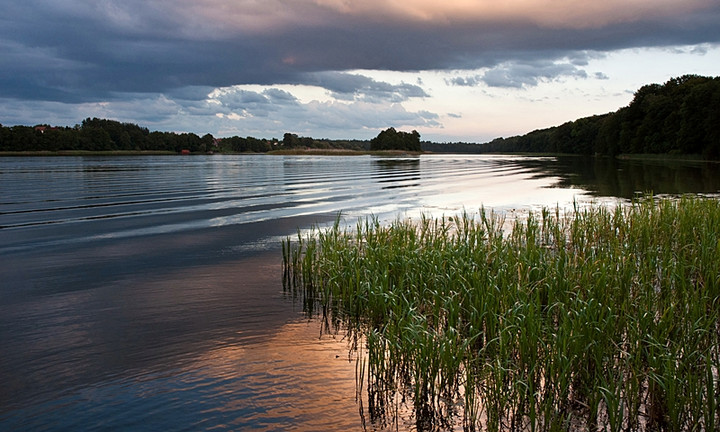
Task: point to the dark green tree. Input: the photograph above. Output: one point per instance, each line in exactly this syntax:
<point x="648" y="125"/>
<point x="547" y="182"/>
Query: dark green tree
<point x="290" y="140"/>
<point x="390" y="139"/>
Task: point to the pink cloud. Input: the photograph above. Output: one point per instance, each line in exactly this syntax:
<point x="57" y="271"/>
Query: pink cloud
<point x="554" y="13"/>
<point x="268" y="16"/>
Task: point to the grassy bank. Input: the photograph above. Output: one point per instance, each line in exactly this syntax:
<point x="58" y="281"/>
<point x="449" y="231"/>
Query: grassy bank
<point x="601" y="319"/>
<point x="342" y="152"/>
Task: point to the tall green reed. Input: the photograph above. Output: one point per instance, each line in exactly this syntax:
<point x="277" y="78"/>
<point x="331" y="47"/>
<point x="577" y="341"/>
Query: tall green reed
<point x="595" y="319"/>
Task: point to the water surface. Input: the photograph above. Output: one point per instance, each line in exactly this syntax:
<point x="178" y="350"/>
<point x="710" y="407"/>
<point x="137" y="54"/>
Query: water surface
<point x="145" y="293"/>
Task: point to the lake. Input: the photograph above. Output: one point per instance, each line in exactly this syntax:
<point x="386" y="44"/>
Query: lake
<point x="145" y="292"/>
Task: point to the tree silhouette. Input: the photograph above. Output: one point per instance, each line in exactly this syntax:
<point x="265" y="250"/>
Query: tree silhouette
<point x="390" y="139"/>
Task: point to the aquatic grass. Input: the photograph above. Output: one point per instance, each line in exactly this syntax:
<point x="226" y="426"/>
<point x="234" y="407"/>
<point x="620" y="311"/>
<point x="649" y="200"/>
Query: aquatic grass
<point x="594" y="319"/>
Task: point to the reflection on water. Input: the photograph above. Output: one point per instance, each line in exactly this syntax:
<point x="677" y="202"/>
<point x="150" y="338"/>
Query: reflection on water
<point x="398" y="173"/>
<point x="293" y="380"/>
<point x="611" y="177"/>
<point x="297" y="375"/>
<point x="145" y="293"/>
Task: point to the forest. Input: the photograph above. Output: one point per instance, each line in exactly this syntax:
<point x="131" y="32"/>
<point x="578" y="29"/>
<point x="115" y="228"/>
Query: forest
<point x="680" y="117"/>
<point x="110" y="135"/>
<point x="99" y="135"/>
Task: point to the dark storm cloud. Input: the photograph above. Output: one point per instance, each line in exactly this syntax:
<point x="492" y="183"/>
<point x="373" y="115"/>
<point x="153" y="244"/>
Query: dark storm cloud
<point x="74" y="51"/>
<point x="63" y="52"/>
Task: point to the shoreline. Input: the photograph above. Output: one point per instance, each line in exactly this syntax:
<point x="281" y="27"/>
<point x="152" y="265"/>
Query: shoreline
<point x="348" y="152"/>
<point x="343" y="152"/>
<point x="289" y="152"/>
<point x="88" y="153"/>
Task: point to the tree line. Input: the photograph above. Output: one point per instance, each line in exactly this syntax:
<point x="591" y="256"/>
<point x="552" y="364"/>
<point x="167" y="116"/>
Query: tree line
<point x="99" y="135"/>
<point x="95" y="134"/>
<point x="291" y="140"/>
<point x="680" y="117"/>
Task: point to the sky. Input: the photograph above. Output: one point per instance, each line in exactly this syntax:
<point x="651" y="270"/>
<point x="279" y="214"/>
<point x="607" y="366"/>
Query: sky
<point x="454" y="70"/>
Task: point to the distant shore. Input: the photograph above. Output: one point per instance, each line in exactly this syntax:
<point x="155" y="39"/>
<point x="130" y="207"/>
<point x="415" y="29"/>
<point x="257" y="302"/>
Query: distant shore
<point x="343" y="152"/>
<point x="89" y="153"/>
<point x="290" y="152"/>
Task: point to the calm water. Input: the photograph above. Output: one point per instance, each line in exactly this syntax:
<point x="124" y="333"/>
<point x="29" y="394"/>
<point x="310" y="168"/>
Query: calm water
<point x="145" y="293"/>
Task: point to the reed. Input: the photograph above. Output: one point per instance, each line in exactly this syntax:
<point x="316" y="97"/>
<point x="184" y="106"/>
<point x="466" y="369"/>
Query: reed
<point x="599" y="319"/>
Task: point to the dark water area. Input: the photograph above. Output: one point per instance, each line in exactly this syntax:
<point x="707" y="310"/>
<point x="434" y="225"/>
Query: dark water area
<point x="145" y="293"/>
<point x="609" y="177"/>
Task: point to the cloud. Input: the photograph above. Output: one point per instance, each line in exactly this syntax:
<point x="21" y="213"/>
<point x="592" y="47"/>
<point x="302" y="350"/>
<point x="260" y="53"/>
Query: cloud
<point x="519" y="74"/>
<point x="700" y="49"/>
<point x="280" y="110"/>
<point x="338" y="116"/>
<point x="150" y="110"/>
<point x="347" y="86"/>
<point x="468" y="81"/>
<point x="524" y="74"/>
<point x="238" y="97"/>
<point x="72" y="50"/>
<point x="111" y="56"/>
<point x="258" y="16"/>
